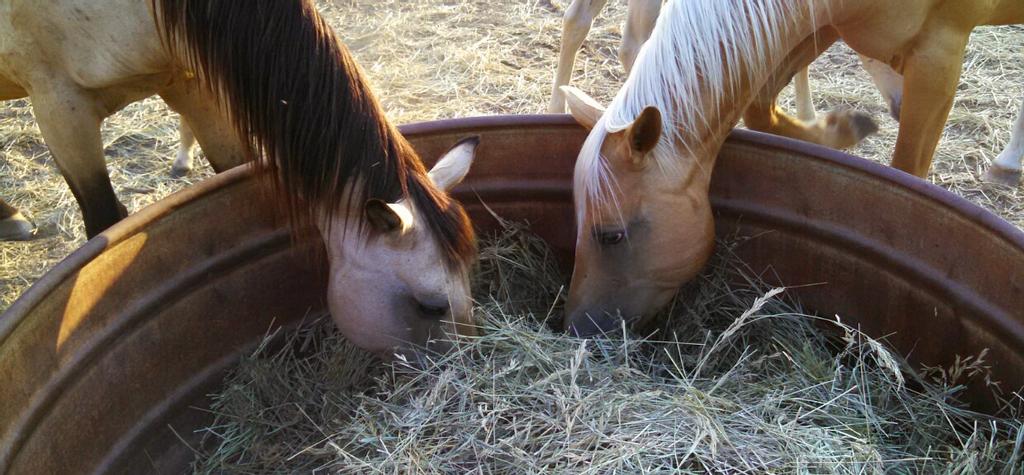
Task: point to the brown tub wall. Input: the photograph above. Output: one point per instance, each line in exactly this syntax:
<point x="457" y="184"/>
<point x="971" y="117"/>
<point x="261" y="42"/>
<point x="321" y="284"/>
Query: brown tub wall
<point x="158" y="315"/>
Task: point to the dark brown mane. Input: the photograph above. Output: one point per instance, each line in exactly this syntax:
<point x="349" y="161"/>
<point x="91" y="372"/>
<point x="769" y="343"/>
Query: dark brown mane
<point x="312" y="123"/>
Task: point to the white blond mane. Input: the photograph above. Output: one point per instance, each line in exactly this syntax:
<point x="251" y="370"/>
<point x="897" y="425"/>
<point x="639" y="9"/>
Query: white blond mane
<point x="698" y="55"/>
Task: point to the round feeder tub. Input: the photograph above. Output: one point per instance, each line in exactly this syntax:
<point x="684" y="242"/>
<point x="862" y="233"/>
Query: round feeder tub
<point x="106" y="361"/>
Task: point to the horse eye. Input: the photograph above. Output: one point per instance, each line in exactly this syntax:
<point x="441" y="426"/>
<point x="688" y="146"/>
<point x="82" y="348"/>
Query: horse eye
<point x="432" y="312"/>
<point x="610" y="238"/>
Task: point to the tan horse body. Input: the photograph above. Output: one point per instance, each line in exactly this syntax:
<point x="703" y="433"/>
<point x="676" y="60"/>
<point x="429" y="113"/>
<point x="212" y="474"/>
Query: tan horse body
<point x="1006" y="168"/>
<point x="924" y="42"/>
<point x="81" y="60"/>
<point x="837" y="129"/>
<point x="643" y="213"/>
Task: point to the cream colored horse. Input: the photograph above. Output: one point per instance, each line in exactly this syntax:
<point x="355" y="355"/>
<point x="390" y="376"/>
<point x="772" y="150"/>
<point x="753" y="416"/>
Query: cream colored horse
<point x="1006" y="169"/>
<point x="837" y="129"/>
<point x="399" y="247"/>
<point x="576" y="24"/>
<point x="641" y="181"/>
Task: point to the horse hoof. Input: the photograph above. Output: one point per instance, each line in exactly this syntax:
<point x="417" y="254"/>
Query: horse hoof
<point x="180" y="172"/>
<point x="894" y="108"/>
<point x="863" y="125"/>
<point x="1002" y="176"/>
<point x="844" y="128"/>
<point x="16" y="228"/>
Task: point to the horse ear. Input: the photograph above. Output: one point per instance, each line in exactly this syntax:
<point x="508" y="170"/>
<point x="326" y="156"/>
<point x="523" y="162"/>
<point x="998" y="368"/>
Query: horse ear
<point x="387" y="218"/>
<point x="585" y="109"/>
<point x="454" y="165"/>
<point x="645" y="132"/>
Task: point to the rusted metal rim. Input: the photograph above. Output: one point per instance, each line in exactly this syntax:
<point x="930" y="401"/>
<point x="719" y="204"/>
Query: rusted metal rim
<point x="115" y="234"/>
<point x="969" y="210"/>
<point x="972" y="212"/>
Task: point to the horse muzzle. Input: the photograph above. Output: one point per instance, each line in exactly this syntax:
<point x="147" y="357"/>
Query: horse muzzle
<point x="592" y="323"/>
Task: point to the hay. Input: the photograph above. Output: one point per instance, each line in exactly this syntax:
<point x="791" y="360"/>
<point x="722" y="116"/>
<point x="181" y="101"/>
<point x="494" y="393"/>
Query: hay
<point x="431" y="59"/>
<point x="744" y="383"/>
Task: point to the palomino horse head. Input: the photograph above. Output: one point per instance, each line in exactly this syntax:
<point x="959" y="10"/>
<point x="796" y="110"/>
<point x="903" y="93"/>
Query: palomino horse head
<point x="392" y="289"/>
<point x="644" y="227"/>
<point x="642" y="178"/>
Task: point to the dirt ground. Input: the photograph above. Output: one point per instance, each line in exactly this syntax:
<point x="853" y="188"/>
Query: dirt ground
<point x="431" y="59"/>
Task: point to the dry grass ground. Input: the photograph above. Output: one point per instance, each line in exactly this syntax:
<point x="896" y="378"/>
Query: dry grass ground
<point x="431" y="59"/>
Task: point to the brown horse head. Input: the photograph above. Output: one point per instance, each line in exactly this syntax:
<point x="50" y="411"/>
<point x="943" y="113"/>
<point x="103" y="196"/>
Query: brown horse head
<point x="399" y="246"/>
<point x="392" y="285"/>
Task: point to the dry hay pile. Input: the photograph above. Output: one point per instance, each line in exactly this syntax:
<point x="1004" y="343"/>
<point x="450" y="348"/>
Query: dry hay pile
<point x="430" y="59"/>
<point x="745" y="384"/>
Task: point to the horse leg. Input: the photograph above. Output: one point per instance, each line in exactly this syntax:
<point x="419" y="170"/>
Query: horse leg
<point x="837" y="129"/>
<point x="640" y="18"/>
<point x="888" y="82"/>
<point x="930" y="75"/>
<point x="13" y="225"/>
<point x="210" y="125"/>
<point x="579" y="17"/>
<point x="183" y="163"/>
<point x="1006" y="169"/>
<point x="70" y="122"/>
<point x="802" y="89"/>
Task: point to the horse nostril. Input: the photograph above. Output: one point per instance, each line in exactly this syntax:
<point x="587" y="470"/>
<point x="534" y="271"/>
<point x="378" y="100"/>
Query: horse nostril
<point x="432" y="311"/>
<point x="588" y="326"/>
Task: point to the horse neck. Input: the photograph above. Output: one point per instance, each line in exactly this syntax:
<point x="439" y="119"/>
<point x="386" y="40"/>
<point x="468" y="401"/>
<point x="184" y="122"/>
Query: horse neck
<point x="721" y="103"/>
<point x="312" y="125"/>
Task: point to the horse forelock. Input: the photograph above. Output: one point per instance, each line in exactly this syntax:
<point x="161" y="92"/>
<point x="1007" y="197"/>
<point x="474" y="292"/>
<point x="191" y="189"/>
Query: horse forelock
<point x="315" y="131"/>
<point x="594" y="185"/>
<point x="596" y="188"/>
